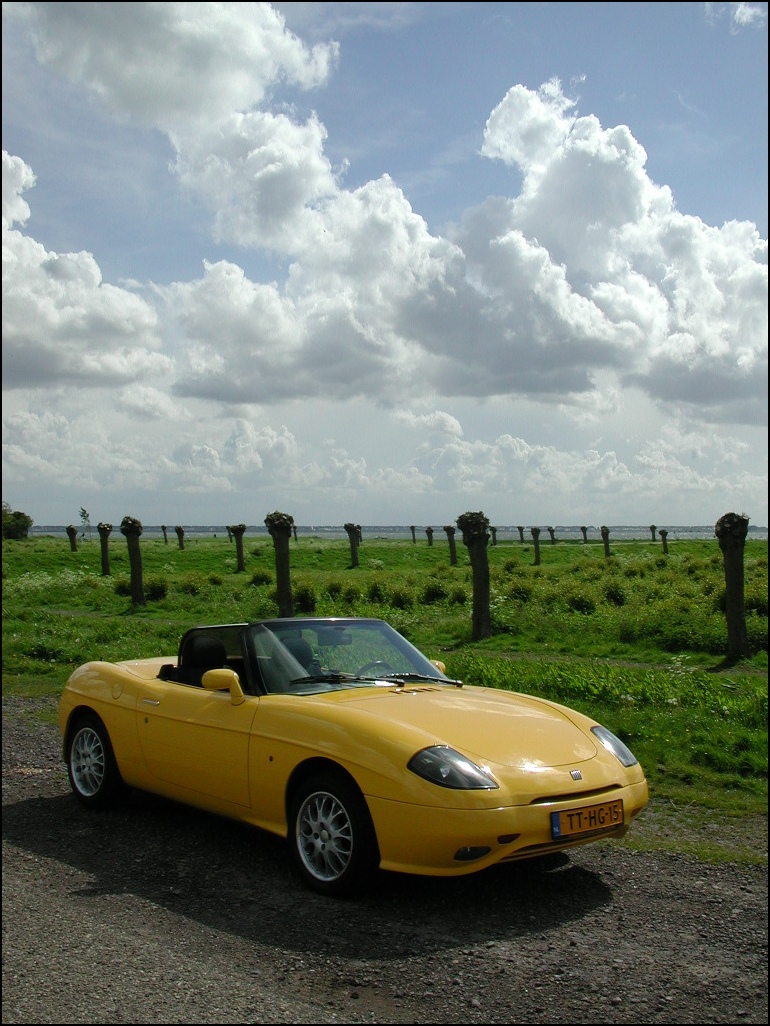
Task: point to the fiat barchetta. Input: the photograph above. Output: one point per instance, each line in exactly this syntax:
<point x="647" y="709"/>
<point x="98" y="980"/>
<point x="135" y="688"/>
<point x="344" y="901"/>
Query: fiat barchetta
<point x="343" y="738"/>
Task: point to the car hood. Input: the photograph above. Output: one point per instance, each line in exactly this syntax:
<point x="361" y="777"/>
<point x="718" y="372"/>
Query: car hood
<point x="490" y="725"/>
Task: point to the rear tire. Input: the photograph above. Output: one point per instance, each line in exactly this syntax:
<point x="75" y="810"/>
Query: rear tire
<point x="91" y="766"/>
<point x="332" y="840"/>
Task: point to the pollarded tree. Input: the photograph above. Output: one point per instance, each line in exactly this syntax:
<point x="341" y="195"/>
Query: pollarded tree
<point x="280" y="527"/>
<point x="72" y="534"/>
<point x="475" y="532"/>
<point x="535" y="532"/>
<point x="731" y="530"/>
<point x="104" y="535"/>
<point x="450" y="533"/>
<point x="605" y="533"/>
<point x="131" y="529"/>
<point x="353" y="537"/>
<point x="237" y="531"/>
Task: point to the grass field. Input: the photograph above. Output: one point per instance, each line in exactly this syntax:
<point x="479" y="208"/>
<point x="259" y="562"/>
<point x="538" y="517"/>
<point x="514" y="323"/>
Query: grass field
<point x="636" y="640"/>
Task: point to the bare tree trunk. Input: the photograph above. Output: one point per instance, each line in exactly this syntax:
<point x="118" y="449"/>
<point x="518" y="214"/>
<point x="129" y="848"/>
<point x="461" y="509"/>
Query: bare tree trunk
<point x="663" y="537"/>
<point x="280" y="527"/>
<point x="237" y="531"/>
<point x="474" y="527"/>
<point x="731" y="530"/>
<point x="131" y="528"/>
<point x="104" y="535"/>
<point x="521" y="534"/>
<point x="553" y="537"/>
<point x="450" y="533"/>
<point x="535" y="532"/>
<point x="72" y="534"/>
<point x="165" y="534"/>
<point x="652" y="531"/>
<point x="180" y="536"/>
<point x="493" y="532"/>
<point x="414" y="539"/>
<point x="353" y="539"/>
<point x="584" y="532"/>
<point x="429" y="532"/>
<point x="606" y="540"/>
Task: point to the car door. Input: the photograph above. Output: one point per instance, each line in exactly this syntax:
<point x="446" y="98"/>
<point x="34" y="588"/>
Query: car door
<point x="197" y="739"/>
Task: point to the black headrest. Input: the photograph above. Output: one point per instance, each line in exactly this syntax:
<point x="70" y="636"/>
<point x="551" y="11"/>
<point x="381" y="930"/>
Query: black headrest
<point x="300" y="649"/>
<point x="203" y="650"/>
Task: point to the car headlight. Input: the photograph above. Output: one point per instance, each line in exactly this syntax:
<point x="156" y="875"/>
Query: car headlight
<point x="613" y="744"/>
<point x="444" y="766"/>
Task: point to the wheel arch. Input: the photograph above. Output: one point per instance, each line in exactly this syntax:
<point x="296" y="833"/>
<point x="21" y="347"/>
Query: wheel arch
<point x="313" y="767"/>
<point x="78" y="713"/>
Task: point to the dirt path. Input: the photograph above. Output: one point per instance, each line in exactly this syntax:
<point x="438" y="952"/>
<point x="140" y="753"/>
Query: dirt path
<point x="160" y="914"/>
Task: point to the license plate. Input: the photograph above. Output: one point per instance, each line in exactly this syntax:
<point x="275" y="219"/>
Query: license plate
<point x="591" y="820"/>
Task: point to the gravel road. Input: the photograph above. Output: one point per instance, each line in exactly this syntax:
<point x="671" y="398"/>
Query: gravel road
<point x="159" y="914"/>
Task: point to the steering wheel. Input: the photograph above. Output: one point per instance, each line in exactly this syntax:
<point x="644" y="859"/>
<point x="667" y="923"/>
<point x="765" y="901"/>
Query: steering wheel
<point x="379" y="664"/>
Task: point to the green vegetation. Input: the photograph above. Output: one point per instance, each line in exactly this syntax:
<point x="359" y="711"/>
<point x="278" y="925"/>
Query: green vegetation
<point x="636" y="640"/>
<point x="15" y="523"/>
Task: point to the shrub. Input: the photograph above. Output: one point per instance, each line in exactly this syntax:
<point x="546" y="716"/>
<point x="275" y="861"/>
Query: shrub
<point x="615" y="595"/>
<point x="580" y="603"/>
<point x="376" y="592"/>
<point x="304" y="598"/>
<point x="260" y="578"/>
<point x="433" y="592"/>
<point x="401" y="599"/>
<point x="520" y="592"/>
<point x="155" y="590"/>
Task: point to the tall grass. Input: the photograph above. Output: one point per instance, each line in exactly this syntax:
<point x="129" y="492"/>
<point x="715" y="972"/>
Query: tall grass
<point x="636" y="640"/>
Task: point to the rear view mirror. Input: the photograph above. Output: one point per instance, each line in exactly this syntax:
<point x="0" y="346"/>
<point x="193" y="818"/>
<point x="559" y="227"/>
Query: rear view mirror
<point x="333" y="637"/>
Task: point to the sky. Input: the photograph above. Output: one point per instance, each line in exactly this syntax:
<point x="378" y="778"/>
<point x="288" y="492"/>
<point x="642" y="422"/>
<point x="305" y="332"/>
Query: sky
<point x="385" y="263"/>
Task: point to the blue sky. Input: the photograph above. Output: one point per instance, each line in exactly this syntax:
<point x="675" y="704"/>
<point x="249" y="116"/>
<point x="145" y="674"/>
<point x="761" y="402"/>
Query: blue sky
<point x="385" y="262"/>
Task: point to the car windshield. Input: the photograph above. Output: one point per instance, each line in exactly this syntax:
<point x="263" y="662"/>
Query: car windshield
<point x="307" y="656"/>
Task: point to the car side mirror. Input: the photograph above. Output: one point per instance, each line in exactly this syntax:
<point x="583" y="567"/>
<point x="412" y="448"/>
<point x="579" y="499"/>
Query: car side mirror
<point x="439" y="665"/>
<point x="224" y="680"/>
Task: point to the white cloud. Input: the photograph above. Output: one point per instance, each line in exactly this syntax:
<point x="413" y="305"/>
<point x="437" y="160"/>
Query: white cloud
<point x="175" y="66"/>
<point x="62" y="323"/>
<point x="17" y="178"/>
<point x="584" y="298"/>
<point x="739" y="15"/>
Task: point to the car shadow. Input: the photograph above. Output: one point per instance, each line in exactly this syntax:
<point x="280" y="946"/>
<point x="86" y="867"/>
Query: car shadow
<point x="229" y="876"/>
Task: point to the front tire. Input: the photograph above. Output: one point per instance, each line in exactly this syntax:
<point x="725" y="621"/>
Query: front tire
<point x="91" y="766"/>
<point x="331" y="836"/>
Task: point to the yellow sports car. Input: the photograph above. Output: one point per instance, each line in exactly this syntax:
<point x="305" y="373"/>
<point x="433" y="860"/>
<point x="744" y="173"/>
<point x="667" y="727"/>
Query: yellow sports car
<point x="339" y="735"/>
